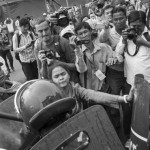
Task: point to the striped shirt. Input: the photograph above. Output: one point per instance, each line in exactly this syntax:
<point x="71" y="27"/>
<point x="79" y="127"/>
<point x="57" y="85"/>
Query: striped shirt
<point x="26" y="54"/>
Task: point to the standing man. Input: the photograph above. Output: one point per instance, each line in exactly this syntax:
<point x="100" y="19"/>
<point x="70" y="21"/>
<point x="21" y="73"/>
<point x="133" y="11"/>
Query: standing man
<point x="23" y="43"/>
<point x="50" y="48"/>
<point x="17" y="22"/>
<point x="146" y="4"/>
<point x="115" y="74"/>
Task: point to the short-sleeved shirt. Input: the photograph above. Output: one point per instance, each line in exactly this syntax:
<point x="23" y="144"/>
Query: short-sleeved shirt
<point x="138" y="64"/>
<point x="27" y="55"/>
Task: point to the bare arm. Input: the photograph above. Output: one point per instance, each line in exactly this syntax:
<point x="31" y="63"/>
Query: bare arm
<point x="104" y="35"/>
<point x="15" y="45"/>
<point x="98" y="97"/>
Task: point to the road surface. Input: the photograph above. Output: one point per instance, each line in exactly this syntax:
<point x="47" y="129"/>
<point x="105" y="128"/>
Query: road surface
<point x="18" y="74"/>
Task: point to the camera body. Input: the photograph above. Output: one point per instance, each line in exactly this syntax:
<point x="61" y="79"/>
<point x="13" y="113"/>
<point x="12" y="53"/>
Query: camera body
<point x="80" y="42"/>
<point x="131" y="33"/>
<point x="49" y="54"/>
<point x="62" y="16"/>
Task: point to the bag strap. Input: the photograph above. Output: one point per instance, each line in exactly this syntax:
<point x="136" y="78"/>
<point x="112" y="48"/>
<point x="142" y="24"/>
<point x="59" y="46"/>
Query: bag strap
<point x="31" y="35"/>
<point x="136" y="50"/>
<point x="58" y="47"/>
<point x="85" y="73"/>
<point x="147" y="36"/>
<point x="18" y="38"/>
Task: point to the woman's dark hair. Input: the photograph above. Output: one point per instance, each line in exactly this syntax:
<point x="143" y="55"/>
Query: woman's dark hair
<point x="53" y="66"/>
<point x="81" y="25"/>
<point x="119" y="9"/>
<point x="137" y="15"/>
<point x="24" y="22"/>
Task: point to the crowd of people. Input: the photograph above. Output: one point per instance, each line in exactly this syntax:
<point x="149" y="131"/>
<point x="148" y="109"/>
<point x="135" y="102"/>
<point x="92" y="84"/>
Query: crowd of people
<point x="103" y="51"/>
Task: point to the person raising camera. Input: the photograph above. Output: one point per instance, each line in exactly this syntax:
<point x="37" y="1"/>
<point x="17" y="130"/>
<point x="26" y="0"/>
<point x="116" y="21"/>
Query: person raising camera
<point x="50" y="48"/>
<point x="135" y="46"/>
<point x="91" y="57"/>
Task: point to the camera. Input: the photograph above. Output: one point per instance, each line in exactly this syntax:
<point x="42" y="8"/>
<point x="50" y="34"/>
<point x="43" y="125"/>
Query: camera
<point x="100" y="5"/>
<point x="80" y="42"/>
<point x="131" y="33"/>
<point x="62" y="16"/>
<point x="49" y="54"/>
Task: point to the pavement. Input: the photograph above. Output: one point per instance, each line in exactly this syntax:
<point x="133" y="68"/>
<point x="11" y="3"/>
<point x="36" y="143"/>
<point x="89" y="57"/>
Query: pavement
<point x="18" y="74"/>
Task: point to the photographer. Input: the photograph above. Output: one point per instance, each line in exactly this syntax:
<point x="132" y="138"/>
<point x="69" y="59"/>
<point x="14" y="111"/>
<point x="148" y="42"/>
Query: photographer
<point x="59" y="20"/>
<point x="51" y="48"/>
<point x="135" y="46"/>
<point x="91" y="57"/>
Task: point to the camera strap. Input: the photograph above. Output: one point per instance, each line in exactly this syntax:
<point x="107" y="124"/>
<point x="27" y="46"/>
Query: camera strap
<point x="136" y="50"/>
<point x="58" y="48"/>
<point x="147" y="37"/>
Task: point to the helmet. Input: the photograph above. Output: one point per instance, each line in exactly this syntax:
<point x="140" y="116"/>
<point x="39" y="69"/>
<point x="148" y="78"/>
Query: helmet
<point x="33" y="96"/>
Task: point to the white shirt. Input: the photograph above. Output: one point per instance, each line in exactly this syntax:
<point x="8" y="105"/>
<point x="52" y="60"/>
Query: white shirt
<point x="138" y="64"/>
<point x="9" y="26"/>
<point x="17" y="24"/>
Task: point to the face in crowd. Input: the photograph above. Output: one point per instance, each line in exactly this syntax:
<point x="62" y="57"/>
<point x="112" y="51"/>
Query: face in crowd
<point x="130" y="9"/>
<point x="84" y="33"/>
<point x="43" y="30"/>
<point x="24" y="28"/>
<point x="60" y="76"/>
<point x="108" y="14"/>
<point x="119" y="20"/>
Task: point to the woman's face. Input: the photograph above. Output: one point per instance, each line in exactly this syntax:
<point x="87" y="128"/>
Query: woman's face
<point x="60" y="76"/>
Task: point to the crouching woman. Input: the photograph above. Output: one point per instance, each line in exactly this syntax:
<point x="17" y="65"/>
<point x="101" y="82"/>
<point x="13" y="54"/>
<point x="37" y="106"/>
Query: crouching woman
<point x="60" y="75"/>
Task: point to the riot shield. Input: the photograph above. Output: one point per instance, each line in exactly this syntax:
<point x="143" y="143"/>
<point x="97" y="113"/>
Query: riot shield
<point x="91" y="129"/>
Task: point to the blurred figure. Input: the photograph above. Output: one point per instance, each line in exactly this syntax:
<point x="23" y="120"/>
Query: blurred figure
<point x="17" y="25"/>
<point x="5" y="50"/>
<point x="107" y="12"/>
<point x="130" y="9"/>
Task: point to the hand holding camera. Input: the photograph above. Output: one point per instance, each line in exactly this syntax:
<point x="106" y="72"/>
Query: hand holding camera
<point x="46" y="55"/>
<point x="124" y="36"/>
<point x="41" y="55"/>
<point x="75" y="41"/>
<point x="51" y="19"/>
<point x="129" y="33"/>
<point x="59" y="18"/>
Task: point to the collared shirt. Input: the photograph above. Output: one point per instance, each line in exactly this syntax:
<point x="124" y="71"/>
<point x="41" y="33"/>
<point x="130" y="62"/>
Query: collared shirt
<point x="26" y="54"/>
<point x="138" y="64"/>
<point x="111" y="37"/>
<point x="94" y="61"/>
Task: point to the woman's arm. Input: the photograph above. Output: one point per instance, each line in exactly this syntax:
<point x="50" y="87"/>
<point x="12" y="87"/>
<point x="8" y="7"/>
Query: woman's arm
<point x="100" y="97"/>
